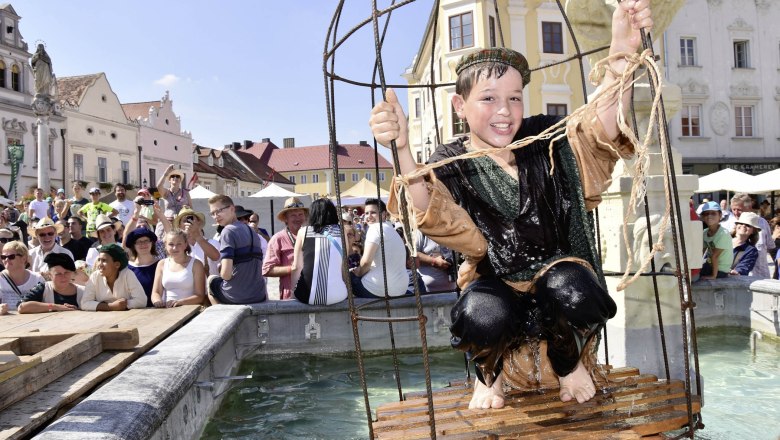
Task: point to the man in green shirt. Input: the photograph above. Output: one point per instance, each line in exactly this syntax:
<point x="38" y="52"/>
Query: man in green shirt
<point x="91" y="210"/>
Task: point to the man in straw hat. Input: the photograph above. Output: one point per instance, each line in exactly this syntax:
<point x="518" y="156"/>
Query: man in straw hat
<point x="177" y="196"/>
<point x="279" y="257"/>
<point x="46" y="232"/>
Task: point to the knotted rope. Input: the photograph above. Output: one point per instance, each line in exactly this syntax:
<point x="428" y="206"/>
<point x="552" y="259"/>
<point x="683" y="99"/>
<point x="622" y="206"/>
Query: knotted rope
<point x="624" y="82"/>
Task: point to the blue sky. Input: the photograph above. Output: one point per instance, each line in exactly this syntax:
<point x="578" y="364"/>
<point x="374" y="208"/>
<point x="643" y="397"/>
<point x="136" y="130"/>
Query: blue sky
<point x="235" y="69"/>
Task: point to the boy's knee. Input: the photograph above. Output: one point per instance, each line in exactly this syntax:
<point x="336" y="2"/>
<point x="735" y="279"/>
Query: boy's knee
<point x="484" y="315"/>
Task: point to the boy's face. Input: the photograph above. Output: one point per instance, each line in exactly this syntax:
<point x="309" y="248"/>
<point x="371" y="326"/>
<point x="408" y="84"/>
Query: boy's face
<point x="493" y="110"/>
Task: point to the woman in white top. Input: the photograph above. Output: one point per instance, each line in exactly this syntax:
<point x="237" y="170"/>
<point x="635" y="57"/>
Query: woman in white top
<point x="180" y="278"/>
<point x="16" y="280"/>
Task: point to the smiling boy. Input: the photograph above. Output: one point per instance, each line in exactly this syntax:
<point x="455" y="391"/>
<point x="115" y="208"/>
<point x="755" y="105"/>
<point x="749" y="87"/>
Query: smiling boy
<point x="539" y="278"/>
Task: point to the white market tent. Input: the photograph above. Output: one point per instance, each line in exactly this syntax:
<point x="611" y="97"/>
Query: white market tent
<point x="767" y="182"/>
<point x="274" y="190"/>
<point x="200" y="192"/>
<point x="359" y="192"/>
<point x="727" y="180"/>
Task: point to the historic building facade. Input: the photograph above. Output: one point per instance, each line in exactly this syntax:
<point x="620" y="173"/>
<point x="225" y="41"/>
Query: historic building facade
<point x="725" y="56"/>
<point x="17" y="120"/>
<point x="534" y="28"/>
<point x="161" y="139"/>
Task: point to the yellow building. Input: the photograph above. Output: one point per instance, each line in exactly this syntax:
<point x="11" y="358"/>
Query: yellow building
<point x="534" y="28"/>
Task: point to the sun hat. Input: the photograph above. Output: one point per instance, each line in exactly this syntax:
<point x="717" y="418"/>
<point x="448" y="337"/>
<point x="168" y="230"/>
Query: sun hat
<point x="116" y="252"/>
<point x="45" y="222"/>
<point x="61" y="191"/>
<point x="144" y="191"/>
<point x="176" y="173"/>
<point x="186" y="212"/>
<point x="750" y="219"/>
<point x="291" y="204"/>
<point x="137" y="233"/>
<point x="62" y="260"/>
<point x="241" y="212"/>
<point x="500" y="55"/>
<point x="709" y="206"/>
<point x="94" y="190"/>
<point x="103" y="221"/>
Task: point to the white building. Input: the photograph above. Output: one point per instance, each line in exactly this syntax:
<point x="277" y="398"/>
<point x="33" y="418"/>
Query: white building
<point x="101" y="145"/>
<point x="17" y="120"/>
<point x="161" y="139"/>
<point x="725" y="56"/>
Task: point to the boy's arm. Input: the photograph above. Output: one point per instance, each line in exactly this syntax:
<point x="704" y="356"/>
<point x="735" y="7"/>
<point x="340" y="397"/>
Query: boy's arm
<point x="388" y="123"/>
<point x="629" y="17"/>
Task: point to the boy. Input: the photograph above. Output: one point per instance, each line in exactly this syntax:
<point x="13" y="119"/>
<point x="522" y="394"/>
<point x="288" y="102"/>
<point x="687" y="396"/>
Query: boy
<point x="718" y="248"/>
<point x="537" y="280"/>
<point x="240" y="280"/>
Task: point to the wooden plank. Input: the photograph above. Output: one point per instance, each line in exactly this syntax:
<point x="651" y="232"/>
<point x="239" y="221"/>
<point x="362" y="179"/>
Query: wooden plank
<point x="112" y="339"/>
<point x="9" y="344"/>
<point x="76" y="320"/>
<point x="8" y="360"/>
<point x="25" y="417"/>
<point x="14" y="320"/>
<point x="55" y="362"/>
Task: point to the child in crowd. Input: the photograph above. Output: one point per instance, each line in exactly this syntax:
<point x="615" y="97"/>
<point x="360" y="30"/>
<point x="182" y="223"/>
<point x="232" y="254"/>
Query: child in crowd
<point x="180" y="278"/>
<point x="745" y="253"/>
<point x="718" y="251"/>
<point x="531" y="223"/>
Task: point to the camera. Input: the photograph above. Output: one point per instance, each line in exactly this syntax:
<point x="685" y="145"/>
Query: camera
<point x="147" y="202"/>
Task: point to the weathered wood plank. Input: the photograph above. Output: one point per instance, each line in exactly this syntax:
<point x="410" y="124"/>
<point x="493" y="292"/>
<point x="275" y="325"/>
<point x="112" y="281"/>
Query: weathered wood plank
<point x="55" y="362"/>
<point x="8" y="360"/>
<point x="112" y="339"/>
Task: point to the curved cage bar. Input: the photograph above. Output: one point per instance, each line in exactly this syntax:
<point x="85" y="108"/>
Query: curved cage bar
<point x="378" y="83"/>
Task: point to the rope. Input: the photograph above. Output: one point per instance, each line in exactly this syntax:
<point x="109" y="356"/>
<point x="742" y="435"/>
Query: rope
<point x="612" y="93"/>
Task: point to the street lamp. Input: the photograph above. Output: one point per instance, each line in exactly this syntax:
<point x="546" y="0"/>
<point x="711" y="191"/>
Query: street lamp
<point x="428" y="148"/>
<point x="16" y="157"/>
<point x="144" y="184"/>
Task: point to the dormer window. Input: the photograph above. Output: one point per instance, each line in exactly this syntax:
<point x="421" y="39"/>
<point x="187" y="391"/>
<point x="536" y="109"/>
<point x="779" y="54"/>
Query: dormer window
<point x="210" y="161"/>
<point x="221" y="162"/>
<point x="195" y="157"/>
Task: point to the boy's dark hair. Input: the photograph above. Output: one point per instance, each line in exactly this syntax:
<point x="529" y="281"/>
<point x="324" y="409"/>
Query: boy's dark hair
<point x="376" y="202"/>
<point x="470" y="75"/>
<point x="492" y="63"/>
<point x="323" y="213"/>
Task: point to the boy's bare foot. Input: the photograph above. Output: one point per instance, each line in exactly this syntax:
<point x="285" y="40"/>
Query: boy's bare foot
<point x="577" y="385"/>
<point x="488" y="397"/>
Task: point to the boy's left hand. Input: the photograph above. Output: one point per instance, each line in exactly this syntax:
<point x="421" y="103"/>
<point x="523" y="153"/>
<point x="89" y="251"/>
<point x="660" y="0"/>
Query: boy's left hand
<point x="629" y="17"/>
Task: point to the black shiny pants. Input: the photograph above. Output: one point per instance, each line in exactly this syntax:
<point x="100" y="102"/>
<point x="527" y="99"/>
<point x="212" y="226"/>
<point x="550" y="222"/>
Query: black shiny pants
<point x="568" y="307"/>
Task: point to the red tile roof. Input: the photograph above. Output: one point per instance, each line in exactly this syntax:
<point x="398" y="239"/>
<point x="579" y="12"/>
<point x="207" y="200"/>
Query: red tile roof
<point x="134" y="110"/>
<point x="258" y="171"/>
<point x="261" y="168"/>
<point x="71" y="88"/>
<point x="318" y="157"/>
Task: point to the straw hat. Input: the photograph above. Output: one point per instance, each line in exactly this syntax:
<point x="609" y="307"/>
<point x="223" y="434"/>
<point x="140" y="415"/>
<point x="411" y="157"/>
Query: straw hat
<point x="291" y="204"/>
<point x="176" y="173"/>
<point x="45" y="222"/>
<point x="103" y="221"/>
<point x="186" y="212"/>
<point x="750" y="219"/>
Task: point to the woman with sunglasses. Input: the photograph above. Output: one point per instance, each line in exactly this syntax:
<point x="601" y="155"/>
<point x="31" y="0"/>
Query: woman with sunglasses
<point x="177" y="197"/>
<point x="15" y="279"/>
<point x="58" y="295"/>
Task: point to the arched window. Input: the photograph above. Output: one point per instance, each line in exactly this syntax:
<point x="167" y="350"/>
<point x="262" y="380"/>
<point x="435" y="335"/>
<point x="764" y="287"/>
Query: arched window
<point x="16" y="84"/>
<point x="2" y="74"/>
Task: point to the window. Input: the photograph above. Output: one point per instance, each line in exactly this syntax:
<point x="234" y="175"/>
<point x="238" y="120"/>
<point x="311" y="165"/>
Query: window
<point x="687" y="51"/>
<point x="419" y="157"/>
<point x="743" y="120"/>
<point x="315" y="178"/>
<point x="303" y="178"/>
<point x="381" y="176"/>
<point x="552" y="37"/>
<point x="741" y="55"/>
<point x="342" y="177"/>
<point x="492" y="31"/>
<point x="461" y="31"/>
<point x="152" y="176"/>
<point x="292" y="179"/>
<point x="125" y="172"/>
<point x="355" y="177"/>
<point x="369" y="177"/>
<point x="102" y="169"/>
<point x="78" y="167"/>
<point x="556" y="109"/>
<point x="691" y="123"/>
<point x="242" y="191"/>
<point x="459" y="126"/>
<point x="2" y="74"/>
<point x="15" y="78"/>
<point x="417" y="107"/>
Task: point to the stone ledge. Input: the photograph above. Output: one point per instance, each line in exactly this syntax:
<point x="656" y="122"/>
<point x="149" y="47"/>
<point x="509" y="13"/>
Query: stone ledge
<point x="405" y="302"/>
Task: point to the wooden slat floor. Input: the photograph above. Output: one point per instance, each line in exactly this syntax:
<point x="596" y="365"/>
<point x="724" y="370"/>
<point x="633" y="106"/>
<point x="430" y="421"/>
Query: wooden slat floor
<point x="24" y="417"/>
<point x="630" y="405"/>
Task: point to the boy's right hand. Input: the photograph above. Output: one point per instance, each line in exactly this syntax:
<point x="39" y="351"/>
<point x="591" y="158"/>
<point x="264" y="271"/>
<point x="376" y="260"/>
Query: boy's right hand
<point x="388" y="122"/>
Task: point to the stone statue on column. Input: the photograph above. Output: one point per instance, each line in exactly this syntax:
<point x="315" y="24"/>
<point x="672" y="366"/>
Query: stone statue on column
<point x="42" y="105"/>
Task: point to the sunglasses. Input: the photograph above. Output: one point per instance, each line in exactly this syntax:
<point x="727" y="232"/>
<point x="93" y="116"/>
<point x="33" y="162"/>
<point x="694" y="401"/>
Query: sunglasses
<point x="47" y="234"/>
<point x="6" y="240"/>
<point x="10" y="256"/>
<point x="189" y="219"/>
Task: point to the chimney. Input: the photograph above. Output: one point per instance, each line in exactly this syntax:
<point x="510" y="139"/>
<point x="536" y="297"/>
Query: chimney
<point x="288" y="142"/>
<point x="236" y="146"/>
<point x="364" y="144"/>
<point x="248" y="144"/>
<point x="266" y="140"/>
<point x="228" y="146"/>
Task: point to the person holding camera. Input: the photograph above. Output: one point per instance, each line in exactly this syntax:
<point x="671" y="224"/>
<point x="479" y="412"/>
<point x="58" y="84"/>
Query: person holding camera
<point x="434" y="265"/>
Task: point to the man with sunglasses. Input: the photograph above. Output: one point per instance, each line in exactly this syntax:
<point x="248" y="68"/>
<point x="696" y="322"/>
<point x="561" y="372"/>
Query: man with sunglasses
<point x="46" y="231"/>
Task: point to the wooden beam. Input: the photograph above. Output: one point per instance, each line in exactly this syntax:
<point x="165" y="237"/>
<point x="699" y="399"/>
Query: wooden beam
<point x="112" y="339"/>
